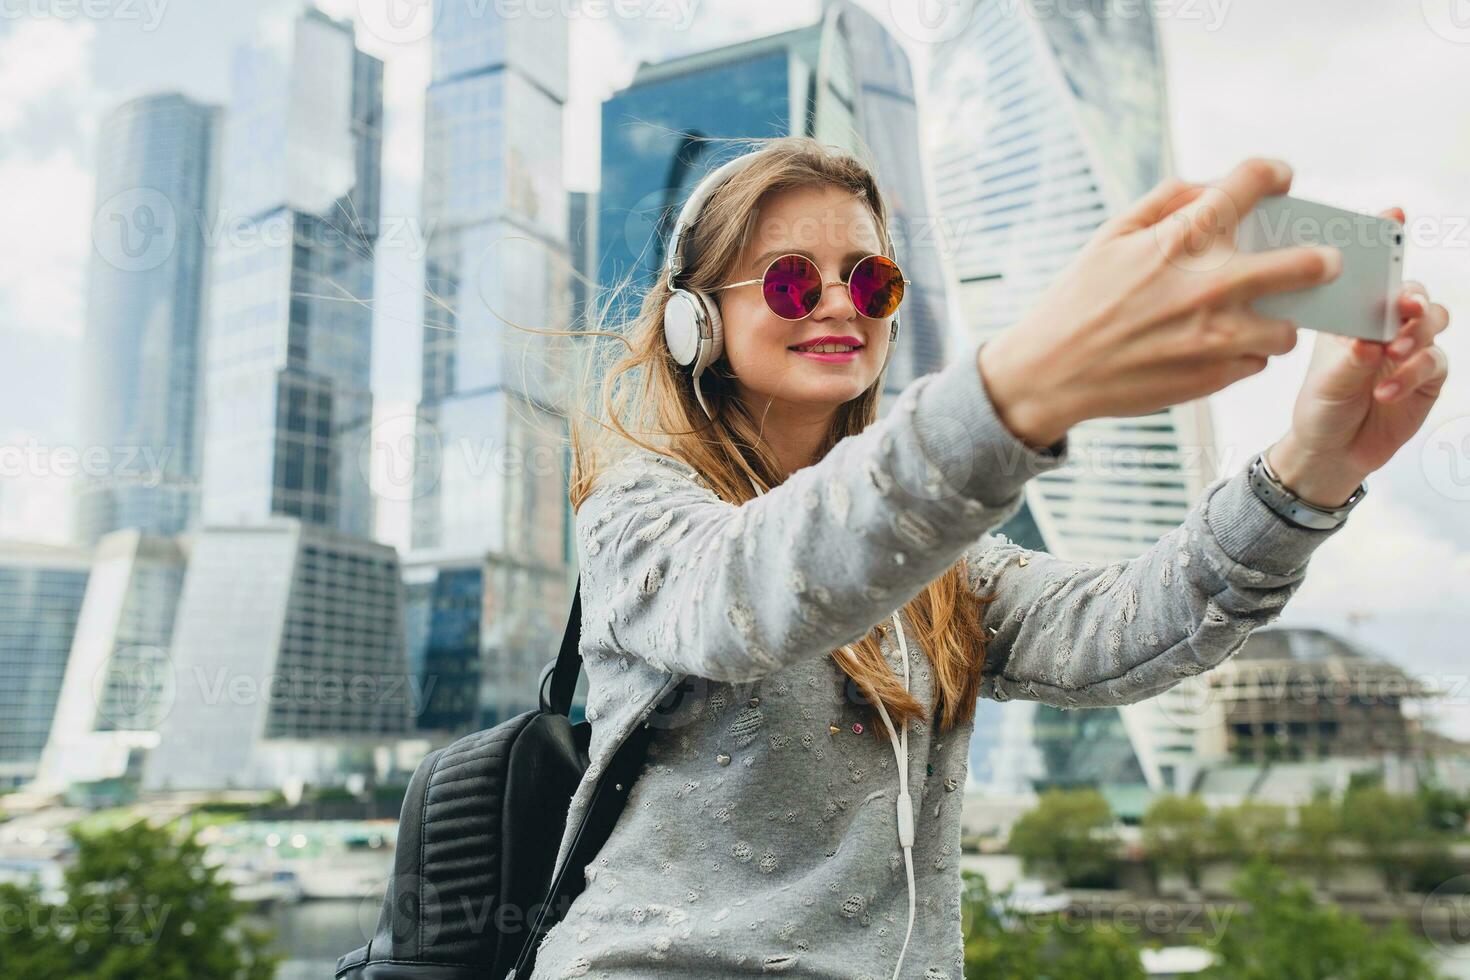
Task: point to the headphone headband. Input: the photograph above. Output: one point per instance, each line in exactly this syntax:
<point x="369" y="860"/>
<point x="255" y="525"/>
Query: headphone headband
<point x="711" y="182"/>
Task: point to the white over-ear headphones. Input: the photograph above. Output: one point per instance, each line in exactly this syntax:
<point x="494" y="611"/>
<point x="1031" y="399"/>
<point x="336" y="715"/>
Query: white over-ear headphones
<point x="693" y="330"/>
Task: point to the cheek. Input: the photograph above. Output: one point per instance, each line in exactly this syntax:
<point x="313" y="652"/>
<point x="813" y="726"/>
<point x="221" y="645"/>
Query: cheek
<point x="754" y="336"/>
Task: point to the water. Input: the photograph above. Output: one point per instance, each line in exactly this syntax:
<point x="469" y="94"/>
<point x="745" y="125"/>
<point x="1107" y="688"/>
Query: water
<point x="313" y="934"/>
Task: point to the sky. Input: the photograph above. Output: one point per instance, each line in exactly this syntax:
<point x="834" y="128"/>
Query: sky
<point x="1365" y="99"/>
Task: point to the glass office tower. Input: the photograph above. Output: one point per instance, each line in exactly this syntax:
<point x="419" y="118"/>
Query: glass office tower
<point x="41" y="589"/>
<point x="142" y="358"/>
<point x="444" y="603"/>
<point x="844" y="81"/>
<point x="496" y="211"/>
<point x="489" y="576"/>
<point x="290" y="341"/>
<point x="1041" y="126"/>
<point x="285" y="594"/>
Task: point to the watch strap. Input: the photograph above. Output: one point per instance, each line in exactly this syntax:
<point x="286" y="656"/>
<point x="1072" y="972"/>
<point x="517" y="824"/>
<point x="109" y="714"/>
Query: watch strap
<point x="1276" y="495"/>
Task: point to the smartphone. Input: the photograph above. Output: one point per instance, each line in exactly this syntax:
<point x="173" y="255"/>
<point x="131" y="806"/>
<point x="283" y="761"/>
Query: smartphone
<point x="1362" y="300"/>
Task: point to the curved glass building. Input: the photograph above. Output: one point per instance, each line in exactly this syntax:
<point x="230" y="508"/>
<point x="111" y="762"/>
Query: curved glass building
<point x="1043" y="121"/>
<point x="143" y="350"/>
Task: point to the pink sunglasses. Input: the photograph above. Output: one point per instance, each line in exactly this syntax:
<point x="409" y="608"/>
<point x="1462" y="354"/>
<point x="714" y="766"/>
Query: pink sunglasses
<point x="792" y="286"/>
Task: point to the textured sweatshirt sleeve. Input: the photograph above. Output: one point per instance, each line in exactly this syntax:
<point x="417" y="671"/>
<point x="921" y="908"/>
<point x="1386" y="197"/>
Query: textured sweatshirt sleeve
<point x="1075" y="633"/>
<point x="696" y="585"/>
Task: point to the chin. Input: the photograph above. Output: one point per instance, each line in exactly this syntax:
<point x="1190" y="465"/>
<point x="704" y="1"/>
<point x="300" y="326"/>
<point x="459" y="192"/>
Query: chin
<point x="833" y="390"/>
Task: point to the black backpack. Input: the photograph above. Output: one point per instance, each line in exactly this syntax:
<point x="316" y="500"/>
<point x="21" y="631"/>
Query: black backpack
<point x="478" y="835"/>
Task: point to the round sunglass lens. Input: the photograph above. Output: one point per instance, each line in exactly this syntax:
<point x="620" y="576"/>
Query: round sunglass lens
<point x="792" y="287"/>
<point x="876" y="285"/>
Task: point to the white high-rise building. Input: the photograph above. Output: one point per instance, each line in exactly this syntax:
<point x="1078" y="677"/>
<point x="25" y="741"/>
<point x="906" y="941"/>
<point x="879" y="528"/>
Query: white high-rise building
<point x="287" y="661"/>
<point x="1040" y="126"/>
<point x="119" y="683"/>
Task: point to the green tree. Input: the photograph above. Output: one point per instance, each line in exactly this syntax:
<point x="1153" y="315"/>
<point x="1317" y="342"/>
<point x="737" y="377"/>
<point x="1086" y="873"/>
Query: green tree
<point x="28" y="948"/>
<point x="1283" y="933"/>
<point x="1396" y="836"/>
<point x="1315" y="837"/>
<point x="1444" y="809"/>
<point x="996" y="945"/>
<point x="140" y="905"/>
<point x="1250" y="829"/>
<point x="1004" y="945"/>
<point x="1070" y="834"/>
<point x="1097" y="953"/>
<point x="1175" y="835"/>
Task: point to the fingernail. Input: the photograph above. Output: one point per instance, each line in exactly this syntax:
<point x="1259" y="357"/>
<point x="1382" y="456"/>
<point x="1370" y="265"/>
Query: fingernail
<point x="1418" y="299"/>
<point x="1401" y="346"/>
<point x="1331" y="262"/>
<point x="1283" y="171"/>
<point x="1388" y="390"/>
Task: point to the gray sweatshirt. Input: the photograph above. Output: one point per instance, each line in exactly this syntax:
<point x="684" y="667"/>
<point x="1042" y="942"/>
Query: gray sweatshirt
<point x="761" y="834"/>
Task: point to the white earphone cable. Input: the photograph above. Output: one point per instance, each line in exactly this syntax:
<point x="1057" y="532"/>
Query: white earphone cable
<point x="905" y="804"/>
<point x="900" y="742"/>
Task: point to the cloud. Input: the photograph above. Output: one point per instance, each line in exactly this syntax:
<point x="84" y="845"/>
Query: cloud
<point x="43" y="63"/>
<point x="46" y="118"/>
<point x="49" y="200"/>
<point x="1393" y="560"/>
<point x="35" y="501"/>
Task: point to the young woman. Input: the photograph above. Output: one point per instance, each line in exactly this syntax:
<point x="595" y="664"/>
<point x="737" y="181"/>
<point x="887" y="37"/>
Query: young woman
<point x="823" y="582"/>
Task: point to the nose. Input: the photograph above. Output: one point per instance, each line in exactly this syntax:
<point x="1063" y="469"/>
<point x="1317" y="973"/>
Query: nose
<point x="835" y="305"/>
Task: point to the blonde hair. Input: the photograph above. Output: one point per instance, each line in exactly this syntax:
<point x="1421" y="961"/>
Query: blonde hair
<point x="647" y="399"/>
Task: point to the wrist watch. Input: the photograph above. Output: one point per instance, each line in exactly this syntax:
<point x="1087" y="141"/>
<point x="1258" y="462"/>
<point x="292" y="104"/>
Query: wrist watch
<point x="1292" y="508"/>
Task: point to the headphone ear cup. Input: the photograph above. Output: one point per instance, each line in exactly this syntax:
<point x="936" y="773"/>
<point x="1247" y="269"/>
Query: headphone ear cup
<point x="716" y="346"/>
<point x="688" y="315"/>
<point x="682" y="316"/>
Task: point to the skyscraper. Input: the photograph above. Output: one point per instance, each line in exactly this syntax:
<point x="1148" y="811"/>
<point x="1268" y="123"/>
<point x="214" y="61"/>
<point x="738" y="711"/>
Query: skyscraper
<point x="844" y="81"/>
<point x="119" y="683"/>
<point x="285" y="597"/>
<point x="41" y="589"/>
<point x="496" y="213"/>
<point x="1042" y="124"/>
<point x="142" y="355"/>
<point x="290" y="342"/>
<point x="287" y="660"/>
<point x="489" y="575"/>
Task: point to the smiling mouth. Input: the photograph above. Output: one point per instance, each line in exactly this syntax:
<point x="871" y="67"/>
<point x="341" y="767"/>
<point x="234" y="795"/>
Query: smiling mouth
<point x="825" y="348"/>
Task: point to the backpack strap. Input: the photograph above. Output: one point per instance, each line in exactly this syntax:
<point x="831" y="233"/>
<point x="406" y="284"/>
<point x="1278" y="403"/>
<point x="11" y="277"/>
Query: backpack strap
<point x="568" y="661"/>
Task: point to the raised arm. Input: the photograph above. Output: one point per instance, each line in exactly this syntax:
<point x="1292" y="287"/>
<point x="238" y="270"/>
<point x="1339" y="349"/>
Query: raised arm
<point x="697" y="585"/>
<point x="1083" y="634"/>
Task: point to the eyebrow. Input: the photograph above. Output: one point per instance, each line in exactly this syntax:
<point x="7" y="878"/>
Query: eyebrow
<point x="766" y="256"/>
